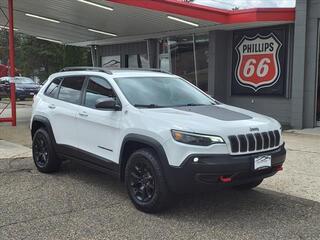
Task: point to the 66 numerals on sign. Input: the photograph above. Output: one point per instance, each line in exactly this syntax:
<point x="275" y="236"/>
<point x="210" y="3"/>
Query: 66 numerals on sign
<point x="261" y="69"/>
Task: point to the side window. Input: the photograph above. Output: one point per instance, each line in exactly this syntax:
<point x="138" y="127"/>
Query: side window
<point x="53" y="88"/>
<point x="5" y="81"/>
<point x="70" y="90"/>
<point x="97" y="88"/>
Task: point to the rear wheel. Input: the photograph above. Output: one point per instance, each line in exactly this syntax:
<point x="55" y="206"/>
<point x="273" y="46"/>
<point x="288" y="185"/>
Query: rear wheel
<point x="44" y="155"/>
<point x="145" y="182"/>
<point x="248" y="186"/>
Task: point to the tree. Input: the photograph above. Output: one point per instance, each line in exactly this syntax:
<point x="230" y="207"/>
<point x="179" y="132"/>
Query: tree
<point x="35" y="57"/>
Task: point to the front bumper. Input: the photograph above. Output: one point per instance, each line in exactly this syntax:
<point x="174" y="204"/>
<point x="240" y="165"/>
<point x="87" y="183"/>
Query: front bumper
<point x="211" y="170"/>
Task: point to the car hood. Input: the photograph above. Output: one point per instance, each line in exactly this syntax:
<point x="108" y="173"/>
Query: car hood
<point x="221" y="118"/>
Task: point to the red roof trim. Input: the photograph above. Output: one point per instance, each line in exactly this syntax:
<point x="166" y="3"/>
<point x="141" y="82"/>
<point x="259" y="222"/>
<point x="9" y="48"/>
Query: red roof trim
<point x="214" y="14"/>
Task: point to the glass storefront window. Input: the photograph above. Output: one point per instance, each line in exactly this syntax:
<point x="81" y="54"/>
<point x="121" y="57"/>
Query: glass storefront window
<point x="126" y="61"/>
<point x="110" y="61"/>
<point x="318" y="90"/>
<point x="137" y="61"/>
<point x="202" y="61"/>
<point x="164" y="57"/>
<point x="182" y="57"/>
<point x="186" y="56"/>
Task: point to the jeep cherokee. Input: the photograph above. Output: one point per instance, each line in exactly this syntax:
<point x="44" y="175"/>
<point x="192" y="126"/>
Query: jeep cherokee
<point x="155" y="131"/>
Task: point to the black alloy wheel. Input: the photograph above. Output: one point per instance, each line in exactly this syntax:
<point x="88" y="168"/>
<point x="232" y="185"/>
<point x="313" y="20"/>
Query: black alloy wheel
<point x="43" y="152"/>
<point x="40" y="150"/>
<point x="142" y="182"/>
<point x="145" y="181"/>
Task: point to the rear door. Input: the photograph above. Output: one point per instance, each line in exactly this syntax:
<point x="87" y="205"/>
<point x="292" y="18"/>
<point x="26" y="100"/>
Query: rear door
<point x="98" y="130"/>
<point x="63" y="107"/>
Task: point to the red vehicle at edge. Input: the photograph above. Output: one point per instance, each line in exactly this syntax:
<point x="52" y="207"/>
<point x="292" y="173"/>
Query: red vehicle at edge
<point x="4" y="71"/>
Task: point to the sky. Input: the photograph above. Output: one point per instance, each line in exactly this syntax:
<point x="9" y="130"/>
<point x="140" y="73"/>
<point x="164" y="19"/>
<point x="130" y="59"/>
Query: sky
<point x="243" y="4"/>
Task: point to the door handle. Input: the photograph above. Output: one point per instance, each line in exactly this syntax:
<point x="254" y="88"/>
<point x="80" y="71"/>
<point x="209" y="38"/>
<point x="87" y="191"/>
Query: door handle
<point x="52" y="106"/>
<point x="83" y="114"/>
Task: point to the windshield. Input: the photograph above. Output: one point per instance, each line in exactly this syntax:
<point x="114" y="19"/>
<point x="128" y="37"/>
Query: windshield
<point x="161" y="92"/>
<point x="22" y="80"/>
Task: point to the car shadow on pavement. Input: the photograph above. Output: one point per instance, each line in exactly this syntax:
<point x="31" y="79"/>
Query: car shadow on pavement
<point x="220" y="204"/>
<point x="76" y="194"/>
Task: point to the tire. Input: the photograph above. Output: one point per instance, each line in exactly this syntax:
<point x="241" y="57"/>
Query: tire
<point x="44" y="156"/>
<point x="22" y="99"/>
<point x="145" y="182"/>
<point x="249" y="185"/>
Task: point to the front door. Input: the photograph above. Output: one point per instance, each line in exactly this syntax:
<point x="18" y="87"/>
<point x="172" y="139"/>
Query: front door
<point x="98" y="130"/>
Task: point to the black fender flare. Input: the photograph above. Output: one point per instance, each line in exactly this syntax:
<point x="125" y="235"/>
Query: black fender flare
<point x="45" y="121"/>
<point x="154" y="144"/>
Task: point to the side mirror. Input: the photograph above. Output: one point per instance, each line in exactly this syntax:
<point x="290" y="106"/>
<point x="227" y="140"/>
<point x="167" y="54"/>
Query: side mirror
<point x="107" y="103"/>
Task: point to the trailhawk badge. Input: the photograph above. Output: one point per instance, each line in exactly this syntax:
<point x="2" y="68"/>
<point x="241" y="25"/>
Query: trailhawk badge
<point x="258" y="64"/>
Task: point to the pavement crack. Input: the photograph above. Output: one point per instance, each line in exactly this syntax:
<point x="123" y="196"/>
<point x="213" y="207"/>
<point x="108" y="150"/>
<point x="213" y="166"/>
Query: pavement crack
<point x="59" y="214"/>
<point x="304" y="151"/>
<point x="29" y="170"/>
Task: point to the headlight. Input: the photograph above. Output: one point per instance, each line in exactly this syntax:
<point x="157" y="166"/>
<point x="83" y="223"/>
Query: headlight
<point x="195" y="139"/>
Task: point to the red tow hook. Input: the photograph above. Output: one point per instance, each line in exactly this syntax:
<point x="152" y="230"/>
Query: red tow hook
<point x="279" y="168"/>
<point x="225" y="179"/>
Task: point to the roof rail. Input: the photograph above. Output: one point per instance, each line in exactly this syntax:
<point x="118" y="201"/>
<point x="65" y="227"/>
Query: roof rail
<point x="148" y="69"/>
<point x="109" y="70"/>
<point x="96" y="69"/>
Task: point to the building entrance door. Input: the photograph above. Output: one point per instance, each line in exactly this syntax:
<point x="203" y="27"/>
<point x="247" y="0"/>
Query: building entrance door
<point x="318" y="103"/>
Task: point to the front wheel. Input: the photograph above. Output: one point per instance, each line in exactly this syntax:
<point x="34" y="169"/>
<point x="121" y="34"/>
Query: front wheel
<point x="43" y="152"/>
<point x="248" y="186"/>
<point x="145" y="182"/>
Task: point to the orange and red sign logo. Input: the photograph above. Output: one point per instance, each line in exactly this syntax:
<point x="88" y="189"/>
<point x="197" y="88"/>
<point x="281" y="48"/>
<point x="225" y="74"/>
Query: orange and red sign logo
<point x="258" y="64"/>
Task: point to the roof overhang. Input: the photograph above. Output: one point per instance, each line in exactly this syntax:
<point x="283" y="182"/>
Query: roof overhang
<point x="132" y="20"/>
<point x="211" y="14"/>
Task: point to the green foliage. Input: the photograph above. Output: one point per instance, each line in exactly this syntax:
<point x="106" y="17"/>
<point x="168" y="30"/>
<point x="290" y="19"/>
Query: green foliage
<point x="35" y="57"/>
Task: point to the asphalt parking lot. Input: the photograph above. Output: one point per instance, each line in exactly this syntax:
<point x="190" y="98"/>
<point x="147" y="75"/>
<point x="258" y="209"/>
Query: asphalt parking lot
<point x="80" y="203"/>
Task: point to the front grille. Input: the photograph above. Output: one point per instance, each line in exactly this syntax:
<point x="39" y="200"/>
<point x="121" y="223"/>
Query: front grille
<point x="254" y="142"/>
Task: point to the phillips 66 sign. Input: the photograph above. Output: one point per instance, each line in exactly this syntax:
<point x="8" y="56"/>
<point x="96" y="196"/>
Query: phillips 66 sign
<point x="259" y="65"/>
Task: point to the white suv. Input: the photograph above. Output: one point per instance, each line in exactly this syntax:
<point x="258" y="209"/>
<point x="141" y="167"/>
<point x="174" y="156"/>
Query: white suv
<point x="155" y="131"/>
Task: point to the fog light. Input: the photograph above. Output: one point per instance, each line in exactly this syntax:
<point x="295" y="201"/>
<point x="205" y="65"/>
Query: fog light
<point x="196" y="159"/>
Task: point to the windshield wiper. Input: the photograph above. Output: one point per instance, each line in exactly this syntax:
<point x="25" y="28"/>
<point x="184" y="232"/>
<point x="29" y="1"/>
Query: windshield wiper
<point x="192" y="105"/>
<point x="148" y="106"/>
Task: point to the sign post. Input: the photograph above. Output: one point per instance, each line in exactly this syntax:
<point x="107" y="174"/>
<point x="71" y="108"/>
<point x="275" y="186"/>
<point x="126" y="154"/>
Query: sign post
<point x="12" y="64"/>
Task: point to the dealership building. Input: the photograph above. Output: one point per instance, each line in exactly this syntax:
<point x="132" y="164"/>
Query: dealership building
<point x="265" y="60"/>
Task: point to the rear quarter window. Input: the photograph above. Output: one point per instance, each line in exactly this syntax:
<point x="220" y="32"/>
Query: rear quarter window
<point x="52" y="90"/>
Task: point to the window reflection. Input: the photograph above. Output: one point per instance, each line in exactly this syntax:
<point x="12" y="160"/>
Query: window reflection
<point x="53" y="88"/>
<point x="97" y="88"/>
<point x="70" y="90"/>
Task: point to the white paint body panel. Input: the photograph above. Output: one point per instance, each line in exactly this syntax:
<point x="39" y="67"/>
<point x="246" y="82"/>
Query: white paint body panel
<point x="98" y="131"/>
